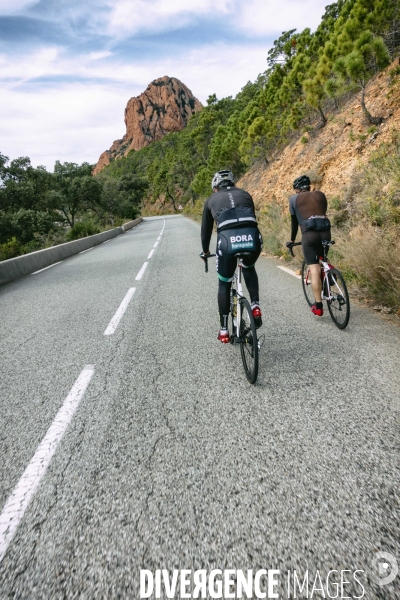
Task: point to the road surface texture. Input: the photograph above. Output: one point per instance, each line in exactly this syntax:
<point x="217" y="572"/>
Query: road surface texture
<point x="171" y="459"/>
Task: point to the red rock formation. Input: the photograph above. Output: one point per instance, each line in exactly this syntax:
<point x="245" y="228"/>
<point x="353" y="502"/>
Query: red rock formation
<point x="166" y="105"/>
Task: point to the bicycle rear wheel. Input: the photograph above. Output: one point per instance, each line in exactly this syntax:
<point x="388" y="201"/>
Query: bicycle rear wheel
<point x="248" y="341"/>
<point x="339" y="303"/>
<point x="306" y="282"/>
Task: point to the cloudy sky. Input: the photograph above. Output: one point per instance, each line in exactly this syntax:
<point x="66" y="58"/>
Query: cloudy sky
<point x="68" y="67"/>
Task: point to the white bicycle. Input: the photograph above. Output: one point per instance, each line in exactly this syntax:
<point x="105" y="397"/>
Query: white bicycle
<point x="242" y="327"/>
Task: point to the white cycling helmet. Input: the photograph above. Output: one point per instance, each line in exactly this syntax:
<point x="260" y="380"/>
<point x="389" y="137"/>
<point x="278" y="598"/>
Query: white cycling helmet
<point x="221" y="176"/>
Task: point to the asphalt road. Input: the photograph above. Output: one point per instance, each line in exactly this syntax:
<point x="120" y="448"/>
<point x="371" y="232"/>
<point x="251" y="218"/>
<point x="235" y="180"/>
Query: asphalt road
<point x="171" y="459"/>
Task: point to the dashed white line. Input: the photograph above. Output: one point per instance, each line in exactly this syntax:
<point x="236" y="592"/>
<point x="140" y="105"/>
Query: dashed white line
<point x="289" y="271"/>
<point x="18" y="502"/>
<point x="107" y="241"/>
<point x="155" y="245"/>
<point x="113" y="324"/>
<point x="151" y="254"/>
<point x="82" y="251"/>
<point x="49" y="267"/>
<point x="141" y="272"/>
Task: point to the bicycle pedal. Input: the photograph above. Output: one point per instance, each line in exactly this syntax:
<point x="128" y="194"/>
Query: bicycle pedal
<point x="261" y="341"/>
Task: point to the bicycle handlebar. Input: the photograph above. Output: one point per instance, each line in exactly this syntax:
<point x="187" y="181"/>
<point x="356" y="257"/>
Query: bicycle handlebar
<point x="291" y="244"/>
<point x="205" y="258"/>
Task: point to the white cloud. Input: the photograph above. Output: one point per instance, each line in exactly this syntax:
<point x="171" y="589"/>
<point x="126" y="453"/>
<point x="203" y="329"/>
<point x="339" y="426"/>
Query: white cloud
<point x="41" y="63"/>
<point x="11" y="7"/>
<point x="99" y="55"/>
<point x="128" y="18"/>
<point x="261" y="17"/>
<point x="71" y="123"/>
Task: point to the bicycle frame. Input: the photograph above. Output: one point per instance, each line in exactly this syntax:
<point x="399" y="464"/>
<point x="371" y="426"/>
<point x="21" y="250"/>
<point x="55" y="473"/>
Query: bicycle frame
<point x="237" y="278"/>
<point x="325" y="269"/>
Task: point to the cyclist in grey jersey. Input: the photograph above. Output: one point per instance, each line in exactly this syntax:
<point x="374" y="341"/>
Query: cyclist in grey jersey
<point x="233" y="210"/>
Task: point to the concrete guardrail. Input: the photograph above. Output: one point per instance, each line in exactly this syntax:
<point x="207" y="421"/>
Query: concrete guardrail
<point x="14" y="268"/>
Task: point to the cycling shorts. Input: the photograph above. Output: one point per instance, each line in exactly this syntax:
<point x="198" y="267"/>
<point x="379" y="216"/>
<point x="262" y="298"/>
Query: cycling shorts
<point x="246" y="240"/>
<point x="311" y="243"/>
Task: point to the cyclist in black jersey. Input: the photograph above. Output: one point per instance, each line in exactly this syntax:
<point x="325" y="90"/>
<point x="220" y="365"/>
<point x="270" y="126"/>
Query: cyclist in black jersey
<point x="308" y="209"/>
<point x="233" y="210"/>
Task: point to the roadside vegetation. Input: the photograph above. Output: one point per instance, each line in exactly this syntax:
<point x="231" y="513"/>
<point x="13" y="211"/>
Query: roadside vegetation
<point x="39" y="209"/>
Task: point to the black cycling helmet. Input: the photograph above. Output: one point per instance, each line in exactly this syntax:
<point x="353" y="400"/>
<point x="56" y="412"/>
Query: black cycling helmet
<point x="224" y="177"/>
<point x="301" y="183"/>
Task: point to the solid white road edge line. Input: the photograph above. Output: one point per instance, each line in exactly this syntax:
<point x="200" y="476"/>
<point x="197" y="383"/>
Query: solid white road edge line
<point x="151" y="254"/>
<point x="113" y="324"/>
<point x="289" y="271"/>
<point x="18" y="502"/>
<point x="49" y="267"/>
<point x="82" y="251"/>
<point x="142" y="270"/>
<point x="106" y="241"/>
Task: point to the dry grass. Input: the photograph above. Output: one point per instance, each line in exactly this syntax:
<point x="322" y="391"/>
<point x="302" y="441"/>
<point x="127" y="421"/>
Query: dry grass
<point x="275" y="228"/>
<point x="371" y="258"/>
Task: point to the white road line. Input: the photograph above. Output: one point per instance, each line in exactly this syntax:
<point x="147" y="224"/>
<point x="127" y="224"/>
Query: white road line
<point x="49" y="267"/>
<point x="113" y="324"/>
<point x="82" y="251"/>
<point x="18" y="502"/>
<point x="106" y="241"/>
<point x="142" y="270"/>
<point x="159" y="238"/>
<point x="155" y="245"/>
<point x="289" y="271"/>
<point x="151" y="254"/>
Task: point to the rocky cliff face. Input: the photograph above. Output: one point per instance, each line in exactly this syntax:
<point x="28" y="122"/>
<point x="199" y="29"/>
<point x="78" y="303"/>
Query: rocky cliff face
<point x="165" y="106"/>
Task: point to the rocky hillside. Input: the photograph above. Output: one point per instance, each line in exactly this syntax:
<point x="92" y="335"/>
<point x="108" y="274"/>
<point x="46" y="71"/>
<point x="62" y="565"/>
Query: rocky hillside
<point x="165" y="106"/>
<point x="357" y="165"/>
<point x="331" y="155"/>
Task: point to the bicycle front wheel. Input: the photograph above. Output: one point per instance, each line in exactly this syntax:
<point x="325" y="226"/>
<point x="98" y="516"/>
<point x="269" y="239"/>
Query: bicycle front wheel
<point x="248" y="341"/>
<point x="338" y="303"/>
<point x="306" y="282"/>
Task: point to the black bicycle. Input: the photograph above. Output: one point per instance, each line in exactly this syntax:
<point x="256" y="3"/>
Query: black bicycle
<point x="242" y="327"/>
<point x="334" y="289"/>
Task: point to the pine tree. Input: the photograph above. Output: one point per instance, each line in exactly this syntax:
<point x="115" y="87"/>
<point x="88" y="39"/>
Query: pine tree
<point x="369" y="56"/>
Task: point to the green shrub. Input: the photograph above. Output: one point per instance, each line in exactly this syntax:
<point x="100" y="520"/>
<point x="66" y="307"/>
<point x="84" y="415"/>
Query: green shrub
<point x="336" y="203"/>
<point x="82" y="229"/>
<point x="11" y="249"/>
